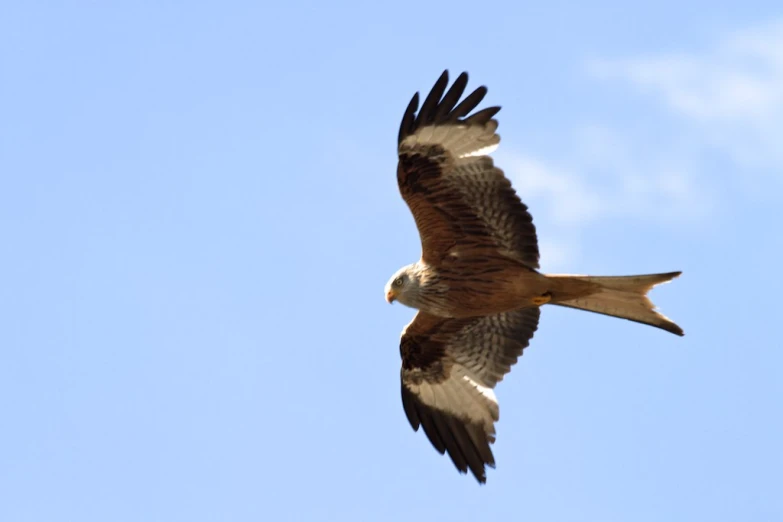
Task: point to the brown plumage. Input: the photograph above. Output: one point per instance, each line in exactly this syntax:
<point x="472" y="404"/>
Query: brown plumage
<point x="477" y="285"/>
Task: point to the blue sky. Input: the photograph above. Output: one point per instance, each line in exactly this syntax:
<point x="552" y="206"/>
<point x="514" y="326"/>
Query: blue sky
<point x="198" y="213"/>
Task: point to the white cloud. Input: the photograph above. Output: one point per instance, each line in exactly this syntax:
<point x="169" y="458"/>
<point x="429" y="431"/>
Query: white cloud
<point x="605" y="177"/>
<point x="566" y="197"/>
<point x="602" y="178"/>
<point x="732" y="93"/>
<point x="729" y="102"/>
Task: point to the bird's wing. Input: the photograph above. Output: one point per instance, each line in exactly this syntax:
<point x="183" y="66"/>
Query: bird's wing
<point x="461" y="202"/>
<point x="449" y="370"/>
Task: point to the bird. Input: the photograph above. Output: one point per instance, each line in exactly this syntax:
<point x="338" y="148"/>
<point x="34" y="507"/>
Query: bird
<point x="477" y="286"/>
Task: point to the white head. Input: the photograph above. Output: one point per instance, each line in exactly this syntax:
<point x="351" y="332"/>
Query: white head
<point x="404" y="286"/>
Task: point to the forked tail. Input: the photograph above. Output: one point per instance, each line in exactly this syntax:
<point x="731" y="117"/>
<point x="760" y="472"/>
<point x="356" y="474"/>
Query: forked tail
<point x="619" y="296"/>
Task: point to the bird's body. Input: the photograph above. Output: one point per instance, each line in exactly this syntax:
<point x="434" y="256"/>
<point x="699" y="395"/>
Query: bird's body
<point x="477" y="287"/>
<point x="469" y="287"/>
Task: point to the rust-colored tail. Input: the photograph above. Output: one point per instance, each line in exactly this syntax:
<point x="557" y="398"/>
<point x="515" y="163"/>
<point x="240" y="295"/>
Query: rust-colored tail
<point x="618" y="296"/>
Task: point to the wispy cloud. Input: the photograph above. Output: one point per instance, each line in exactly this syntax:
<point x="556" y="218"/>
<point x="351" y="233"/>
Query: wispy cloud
<point x="733" y="92"/>
<point x="603" y="177"/>
<point x="728" y="104"/>
<point x="565" y="196"/>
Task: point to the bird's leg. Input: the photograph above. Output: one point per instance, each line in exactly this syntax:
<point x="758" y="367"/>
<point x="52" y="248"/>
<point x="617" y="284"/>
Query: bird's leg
<point x="542" y="299"/>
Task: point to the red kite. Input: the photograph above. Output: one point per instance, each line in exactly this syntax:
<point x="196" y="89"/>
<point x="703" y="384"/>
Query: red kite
<point x="477" y="287"/>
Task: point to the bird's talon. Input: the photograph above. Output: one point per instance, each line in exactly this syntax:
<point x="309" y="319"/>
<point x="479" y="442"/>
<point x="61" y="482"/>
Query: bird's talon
<point x="542" y="300"/>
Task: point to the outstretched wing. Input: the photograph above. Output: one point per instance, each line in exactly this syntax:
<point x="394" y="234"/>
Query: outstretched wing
<point x="449" y="370"/>
<point x="461" y="202"/>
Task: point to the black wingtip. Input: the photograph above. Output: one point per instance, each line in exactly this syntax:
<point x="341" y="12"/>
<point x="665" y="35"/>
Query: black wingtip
<point x="465" y="444"/>
<point x="440" y="106"/>
<point x="431" y="102"/>
<point x="452" y="97"/>
<point x="408" y="119"/>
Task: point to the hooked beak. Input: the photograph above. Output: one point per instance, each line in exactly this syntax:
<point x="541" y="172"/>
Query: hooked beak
<point x="390" y="297"/>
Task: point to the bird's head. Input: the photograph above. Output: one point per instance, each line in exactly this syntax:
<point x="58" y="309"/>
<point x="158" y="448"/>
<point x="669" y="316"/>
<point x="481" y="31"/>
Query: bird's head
<point x="403" y="286"/>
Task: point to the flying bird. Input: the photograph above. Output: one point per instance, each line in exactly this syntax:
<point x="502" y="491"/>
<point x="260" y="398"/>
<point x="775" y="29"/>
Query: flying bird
<point x="477" y="286"/>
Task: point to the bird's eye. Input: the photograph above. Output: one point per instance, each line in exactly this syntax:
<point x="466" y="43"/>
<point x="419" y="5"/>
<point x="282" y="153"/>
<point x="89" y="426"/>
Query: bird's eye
<point x="398" y="281"/>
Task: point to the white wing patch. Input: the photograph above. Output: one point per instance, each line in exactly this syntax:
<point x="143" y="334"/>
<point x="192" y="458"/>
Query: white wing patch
<point x="488" y="393"/>
<point x="461" y="396"/>
<point x="489" y="149"/>
<point x="461" y="141"/>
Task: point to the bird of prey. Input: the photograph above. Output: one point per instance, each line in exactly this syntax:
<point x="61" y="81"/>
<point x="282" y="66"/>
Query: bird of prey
<point x="477" y="287"/>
